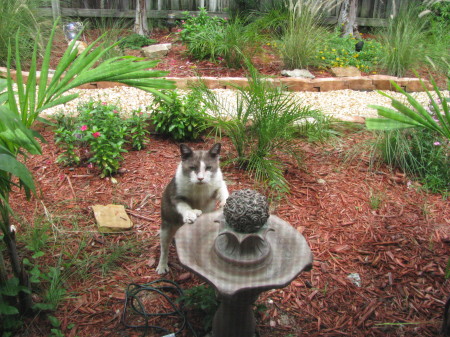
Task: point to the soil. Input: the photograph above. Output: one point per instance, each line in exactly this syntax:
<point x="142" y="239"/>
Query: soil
<point x="356" y="219"/>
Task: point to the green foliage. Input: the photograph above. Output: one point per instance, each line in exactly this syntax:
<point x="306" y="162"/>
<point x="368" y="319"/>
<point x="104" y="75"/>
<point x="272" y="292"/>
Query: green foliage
<point x="20" y="15"/>
<point x="435" y="118"/>
<point x="182" y="119"/>
<point x="304" y="35"/>
<point x="215" y="39"/>
<point x="202" y="298"/>
<point x="104" y="131"/>
<point x="261" y="124"/>
<point x="404" y="41"/>
<point x="135" y="41"/>
<point x="137" y="129"/>
<point x="340" y="52"/>
<point x="72" y="71"/>
<point x="192" y="25"/>
<point x="100" y="128"/>
<point x="420" y="153"/>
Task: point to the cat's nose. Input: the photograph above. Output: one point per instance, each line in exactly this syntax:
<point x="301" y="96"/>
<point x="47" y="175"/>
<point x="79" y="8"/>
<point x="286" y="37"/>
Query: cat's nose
<point x="200" y="178"/>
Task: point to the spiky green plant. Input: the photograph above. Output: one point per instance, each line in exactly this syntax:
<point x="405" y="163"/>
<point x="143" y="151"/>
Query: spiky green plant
<point x="261" y="124"/>
<point x="304" y="35"/>
<point x="72" y="71"/>
<point x="19" y="15"/>
<point x="404" y="40"/>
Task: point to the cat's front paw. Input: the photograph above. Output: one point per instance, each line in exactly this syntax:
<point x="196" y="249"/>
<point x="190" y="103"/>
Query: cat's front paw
<point x="162" y="268"/>
<point x="191" y="215"/>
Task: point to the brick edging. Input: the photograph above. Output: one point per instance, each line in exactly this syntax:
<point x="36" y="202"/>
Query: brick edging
<point x="365" y="83"/>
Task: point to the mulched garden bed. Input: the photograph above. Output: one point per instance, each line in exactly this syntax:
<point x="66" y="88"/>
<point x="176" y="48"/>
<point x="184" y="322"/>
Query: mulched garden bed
<point x="399" y="249"/>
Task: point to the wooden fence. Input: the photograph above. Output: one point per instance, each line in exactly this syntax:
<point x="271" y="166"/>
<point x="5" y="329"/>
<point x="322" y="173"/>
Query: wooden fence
<point x="370" y="12"/>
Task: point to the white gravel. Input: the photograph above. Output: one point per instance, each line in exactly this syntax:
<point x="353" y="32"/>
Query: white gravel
<point x="341" y="104"/>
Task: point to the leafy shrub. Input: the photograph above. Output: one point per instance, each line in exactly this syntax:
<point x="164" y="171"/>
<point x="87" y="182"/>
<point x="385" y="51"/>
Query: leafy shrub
<point x="135" y="41"/>
<point x="340" y="52"/>
<point x="137" y="126"/>
<point x="100" y="128"/>
<point x="193" y="25"/>
<point x="214" y="38"/>
<point x="181" y="119"/>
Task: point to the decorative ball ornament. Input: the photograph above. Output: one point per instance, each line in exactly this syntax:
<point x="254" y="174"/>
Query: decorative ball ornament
<point x="246" y="211"/>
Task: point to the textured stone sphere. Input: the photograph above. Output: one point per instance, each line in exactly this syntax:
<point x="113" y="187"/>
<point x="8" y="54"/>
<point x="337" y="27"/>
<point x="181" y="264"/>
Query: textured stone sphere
<point x="246" y="211"/>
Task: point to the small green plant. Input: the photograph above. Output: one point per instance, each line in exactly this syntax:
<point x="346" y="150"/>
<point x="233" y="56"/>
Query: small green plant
<point x="202" y="298"/>
<point x="104" y="131"/>
<point x="67" y="140"/>
<point x="182" y="119"/>
<point x="135" y="41"/>
<point x="137" y="126"/>
<point x="375" y="200"/>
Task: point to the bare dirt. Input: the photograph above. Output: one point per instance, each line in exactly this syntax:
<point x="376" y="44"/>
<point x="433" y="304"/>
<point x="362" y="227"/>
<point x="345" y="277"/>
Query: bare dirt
<point x="394" y="235"/>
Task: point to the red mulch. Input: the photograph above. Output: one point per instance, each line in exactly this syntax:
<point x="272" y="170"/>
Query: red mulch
<point x="400" y="250"/>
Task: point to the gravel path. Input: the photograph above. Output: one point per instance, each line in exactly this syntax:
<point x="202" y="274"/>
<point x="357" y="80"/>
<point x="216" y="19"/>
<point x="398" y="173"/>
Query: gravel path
<point x="342" y="104"/>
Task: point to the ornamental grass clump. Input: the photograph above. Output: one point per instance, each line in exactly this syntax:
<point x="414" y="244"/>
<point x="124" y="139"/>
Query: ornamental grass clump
<point x="304" y="35"/>
<point x="262" y="123"/>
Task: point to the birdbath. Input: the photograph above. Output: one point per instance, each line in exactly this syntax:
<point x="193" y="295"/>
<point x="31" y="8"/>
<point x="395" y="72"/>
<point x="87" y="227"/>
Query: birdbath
<point x="242" y="251"/>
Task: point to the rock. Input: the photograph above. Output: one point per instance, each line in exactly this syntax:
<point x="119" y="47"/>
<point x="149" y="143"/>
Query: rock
<point x="302" y="73"/>
<point x="345" y="71"/>
<point x="156" y="51"/>
<point x="111" y="218"/>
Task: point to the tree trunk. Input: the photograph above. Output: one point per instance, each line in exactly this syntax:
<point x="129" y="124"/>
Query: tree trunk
<point x="347" y="18"/>
<point x="140" y="24"/>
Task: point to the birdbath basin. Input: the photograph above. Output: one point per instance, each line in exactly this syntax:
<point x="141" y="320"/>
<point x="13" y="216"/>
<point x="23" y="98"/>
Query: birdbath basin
<point x="242" y="251"/>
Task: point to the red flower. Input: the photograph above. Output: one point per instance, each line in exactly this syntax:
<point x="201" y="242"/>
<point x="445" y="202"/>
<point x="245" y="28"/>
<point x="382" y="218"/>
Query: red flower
<point x="96" y="134"/>
<point x="115" y="111"/>
<point x="83" y="128"/>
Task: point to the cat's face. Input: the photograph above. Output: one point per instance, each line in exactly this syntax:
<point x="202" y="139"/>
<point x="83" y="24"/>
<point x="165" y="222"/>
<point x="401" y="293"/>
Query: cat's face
<point x="199" y="167"/>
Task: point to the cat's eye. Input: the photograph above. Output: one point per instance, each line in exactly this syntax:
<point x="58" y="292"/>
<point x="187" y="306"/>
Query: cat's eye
<point x="208" y="168"/>
<point x="193" y="168"/>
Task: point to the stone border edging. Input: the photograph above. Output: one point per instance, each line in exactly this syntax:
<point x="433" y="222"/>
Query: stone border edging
<point x="365" y="83"/>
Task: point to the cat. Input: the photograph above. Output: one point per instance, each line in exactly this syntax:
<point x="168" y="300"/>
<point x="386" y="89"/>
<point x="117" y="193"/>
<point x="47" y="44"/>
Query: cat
<point x="197" y="186"/>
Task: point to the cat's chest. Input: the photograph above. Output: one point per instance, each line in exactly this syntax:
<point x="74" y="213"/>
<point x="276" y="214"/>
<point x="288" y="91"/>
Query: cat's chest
<point x="199" y="196"/>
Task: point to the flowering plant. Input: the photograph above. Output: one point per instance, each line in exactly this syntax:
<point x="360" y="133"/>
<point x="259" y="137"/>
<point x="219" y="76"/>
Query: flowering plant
<point x="100" y="129"/>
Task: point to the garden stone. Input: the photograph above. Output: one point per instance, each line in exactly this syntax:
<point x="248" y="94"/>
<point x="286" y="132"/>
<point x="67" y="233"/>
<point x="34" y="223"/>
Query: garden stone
<point x="111" y="218"/>
<point x="345" y="71"/>
<point x="302" y="73"/>
<point x="156" y="51"/>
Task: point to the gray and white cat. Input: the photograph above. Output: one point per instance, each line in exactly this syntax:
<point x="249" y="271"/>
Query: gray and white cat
<point x="197" y="186"/>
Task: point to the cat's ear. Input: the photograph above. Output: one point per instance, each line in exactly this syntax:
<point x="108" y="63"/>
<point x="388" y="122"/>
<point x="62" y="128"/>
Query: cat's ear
<point x="215" y="150"/>
<point x="185" y="151"/>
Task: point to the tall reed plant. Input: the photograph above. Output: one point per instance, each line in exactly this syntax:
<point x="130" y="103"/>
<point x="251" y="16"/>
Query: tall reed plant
<point x="404" y="40"/>
<point x="304" y="35"/>
<point x="20" y="15"/>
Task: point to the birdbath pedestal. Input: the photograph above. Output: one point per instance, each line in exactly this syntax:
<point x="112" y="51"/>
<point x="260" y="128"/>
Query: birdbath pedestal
<point x="242" y="251"/>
